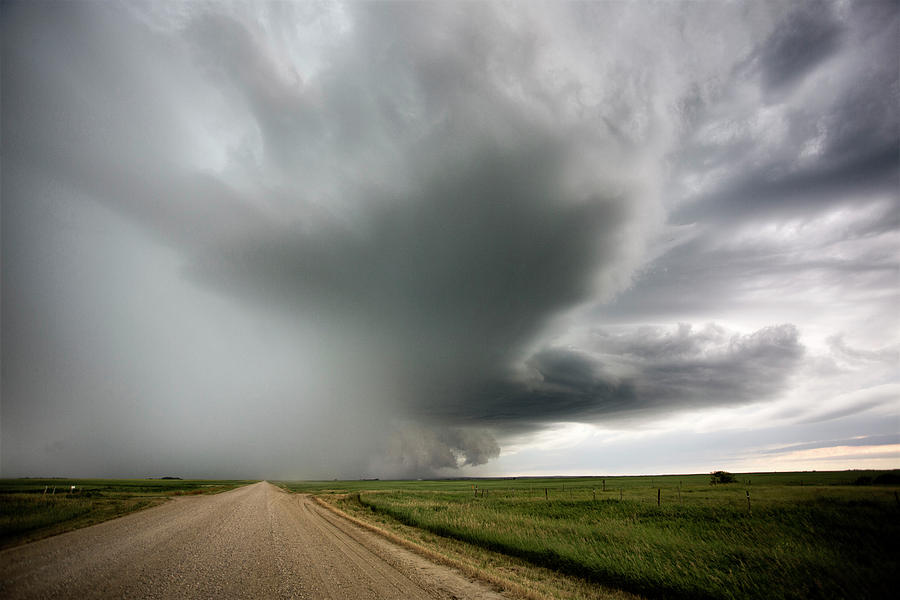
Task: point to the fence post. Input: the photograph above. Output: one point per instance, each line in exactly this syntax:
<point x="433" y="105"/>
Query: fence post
<point x="658" y="495"/>
<point x="546" y="494"/>
<point x="749" y="512"/>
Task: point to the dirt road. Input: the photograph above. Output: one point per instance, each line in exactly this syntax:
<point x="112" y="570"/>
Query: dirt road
<point x="252" y="542"/>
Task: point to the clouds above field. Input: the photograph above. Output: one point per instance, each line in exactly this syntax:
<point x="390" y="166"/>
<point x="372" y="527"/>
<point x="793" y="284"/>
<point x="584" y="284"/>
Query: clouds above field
<point x="649" y="370"/>
<point x="383" y="239"/>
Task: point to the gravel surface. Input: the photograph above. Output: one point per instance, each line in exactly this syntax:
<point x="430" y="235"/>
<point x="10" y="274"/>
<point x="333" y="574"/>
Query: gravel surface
<point x="253" y="542"/>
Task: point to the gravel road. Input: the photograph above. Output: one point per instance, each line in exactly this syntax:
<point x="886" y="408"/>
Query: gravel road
<point x="253" y="542"/>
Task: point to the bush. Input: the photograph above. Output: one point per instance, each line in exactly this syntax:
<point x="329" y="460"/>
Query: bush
<point x="722" y="477"/>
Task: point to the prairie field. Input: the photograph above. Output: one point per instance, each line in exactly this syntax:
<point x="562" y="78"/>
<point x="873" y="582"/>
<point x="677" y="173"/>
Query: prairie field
<point x="767" y="535"/>
<point x="31" y="509"/>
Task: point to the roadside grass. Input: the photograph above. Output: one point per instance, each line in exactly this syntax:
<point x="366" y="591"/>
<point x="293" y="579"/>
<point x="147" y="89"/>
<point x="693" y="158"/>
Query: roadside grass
<point x="824" y="538"/>
<point x="516" y="577"/>
<point x="32" y="509"/>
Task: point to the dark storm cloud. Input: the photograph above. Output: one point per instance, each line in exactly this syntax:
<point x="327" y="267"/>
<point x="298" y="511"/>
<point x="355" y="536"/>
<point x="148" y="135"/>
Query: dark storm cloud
<point x="708" y="367"/>
<point x="483" y="223"/>
<point x="422" y="200"/>
<point x="492" y="234"/>
<point x="453" y="281"/>
<point x="628" y="375"/>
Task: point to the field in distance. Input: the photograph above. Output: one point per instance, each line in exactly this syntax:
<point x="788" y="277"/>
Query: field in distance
<point x="31" y="509"/>
<point x="765" y="535"/>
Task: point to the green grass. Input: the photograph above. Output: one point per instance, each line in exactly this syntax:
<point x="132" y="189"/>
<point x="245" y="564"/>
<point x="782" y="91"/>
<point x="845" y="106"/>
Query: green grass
<point x="825" y="538"/>
<point x="31" y="509"/>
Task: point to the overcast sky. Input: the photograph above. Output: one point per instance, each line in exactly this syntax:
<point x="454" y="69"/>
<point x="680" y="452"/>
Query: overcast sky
<point x="316" y="240"/>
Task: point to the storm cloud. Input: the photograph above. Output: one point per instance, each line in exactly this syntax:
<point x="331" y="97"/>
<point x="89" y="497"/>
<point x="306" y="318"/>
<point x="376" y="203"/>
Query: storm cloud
<point x="625" y="376"/>
<point x="381" y="239"/>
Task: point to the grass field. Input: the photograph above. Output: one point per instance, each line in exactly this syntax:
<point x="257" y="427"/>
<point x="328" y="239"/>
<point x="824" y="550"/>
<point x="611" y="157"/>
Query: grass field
<point x="801" y="535"/>
<point x="31" y="509"/>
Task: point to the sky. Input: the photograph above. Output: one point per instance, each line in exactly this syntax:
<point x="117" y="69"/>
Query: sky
<point x="325" y="240"/>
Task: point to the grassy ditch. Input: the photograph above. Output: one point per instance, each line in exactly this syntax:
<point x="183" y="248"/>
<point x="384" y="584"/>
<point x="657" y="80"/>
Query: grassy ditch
<point x="31" y="509"/>
<point x="517" y="578"/>
<point x="800" y="535"/>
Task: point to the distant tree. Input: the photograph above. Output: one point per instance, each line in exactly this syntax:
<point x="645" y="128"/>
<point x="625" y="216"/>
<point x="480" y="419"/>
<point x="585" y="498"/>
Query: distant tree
<point x="721" y="477"/>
